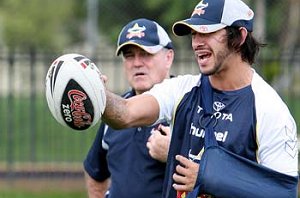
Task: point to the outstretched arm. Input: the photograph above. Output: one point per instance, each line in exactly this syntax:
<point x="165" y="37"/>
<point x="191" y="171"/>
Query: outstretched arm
<point x="136" y="111"/>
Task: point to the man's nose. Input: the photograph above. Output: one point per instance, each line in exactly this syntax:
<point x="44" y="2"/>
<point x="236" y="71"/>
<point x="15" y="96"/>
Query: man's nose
<point x="138" y="61"/>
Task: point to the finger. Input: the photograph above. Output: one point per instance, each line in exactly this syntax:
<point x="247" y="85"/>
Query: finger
<point x="179" y="179"/>
<point x="166" y="130"/>
<point x="104" y="78"/>
<point x="183" y="160"/>
<point x="181" y="170"/>
<point x="155" y="132"/>
<point x="158" y="128"/>
<point x="148" y="145"/>
<point x="182" y="183"/>
<point x="150" y="137"/>
<point x="180" y="187"/>
<point x="157" y="135"/>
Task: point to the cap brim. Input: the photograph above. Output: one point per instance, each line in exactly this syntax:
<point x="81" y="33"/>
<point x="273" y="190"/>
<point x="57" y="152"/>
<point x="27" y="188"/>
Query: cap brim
<point x="200" y="25"/>
<point x="147" y="48"/>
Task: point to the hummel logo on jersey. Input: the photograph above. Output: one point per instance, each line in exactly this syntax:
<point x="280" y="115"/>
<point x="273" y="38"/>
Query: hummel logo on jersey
<point x="199" y="132"/>
<point x="218" y="106"/>
<point x="291" y="142"/>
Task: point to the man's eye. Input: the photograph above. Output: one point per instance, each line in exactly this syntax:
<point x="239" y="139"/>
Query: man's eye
<point x="145" y="54"/>
<point x="128" y="55"/>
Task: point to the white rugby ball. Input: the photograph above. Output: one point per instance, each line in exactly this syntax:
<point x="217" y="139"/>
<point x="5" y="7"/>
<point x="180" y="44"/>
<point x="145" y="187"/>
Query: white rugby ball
<point x="74" y="91"/>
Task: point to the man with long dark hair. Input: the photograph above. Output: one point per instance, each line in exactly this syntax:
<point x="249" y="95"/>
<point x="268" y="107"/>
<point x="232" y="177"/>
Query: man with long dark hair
<point x="247" y="118"/>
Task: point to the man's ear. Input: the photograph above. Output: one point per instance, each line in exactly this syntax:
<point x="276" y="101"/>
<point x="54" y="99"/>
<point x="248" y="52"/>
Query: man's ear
<point x="244" y="34"/>
<point x="170" y="57"/>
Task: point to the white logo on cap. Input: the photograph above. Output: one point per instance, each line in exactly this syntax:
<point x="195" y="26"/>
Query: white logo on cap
<point x="136" y="31"/>
<point x="199" y="8"/>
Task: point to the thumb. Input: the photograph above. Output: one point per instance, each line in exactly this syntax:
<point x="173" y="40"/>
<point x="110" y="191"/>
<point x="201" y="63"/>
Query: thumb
<point x="165" y="129"/>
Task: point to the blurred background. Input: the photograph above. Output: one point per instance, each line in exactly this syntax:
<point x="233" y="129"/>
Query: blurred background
<point x="39" y="157"/>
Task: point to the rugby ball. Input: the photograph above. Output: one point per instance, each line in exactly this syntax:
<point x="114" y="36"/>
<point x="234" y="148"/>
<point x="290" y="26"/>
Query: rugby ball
<point x="75" y="92"/>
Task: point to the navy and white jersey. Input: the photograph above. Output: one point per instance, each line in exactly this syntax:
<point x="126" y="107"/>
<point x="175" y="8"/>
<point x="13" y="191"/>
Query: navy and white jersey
<point x="252" y="122"/>
<point x="123" y="156"/>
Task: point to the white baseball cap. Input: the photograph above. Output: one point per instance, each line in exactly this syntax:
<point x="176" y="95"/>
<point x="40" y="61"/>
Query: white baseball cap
<point x="212" y="15"/>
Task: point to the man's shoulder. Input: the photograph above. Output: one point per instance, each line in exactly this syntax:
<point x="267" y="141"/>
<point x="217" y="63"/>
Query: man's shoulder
<point x="264" y="92"/>
<point x="187" y="77"/>
<point x="180" y="82"/>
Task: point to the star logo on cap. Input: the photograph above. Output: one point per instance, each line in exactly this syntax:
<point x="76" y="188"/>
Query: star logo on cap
<point x="199" y="9"/>
<point x="136" y="31"/>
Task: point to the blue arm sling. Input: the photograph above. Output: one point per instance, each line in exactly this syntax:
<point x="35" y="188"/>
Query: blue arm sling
<point x="224" y="174"/>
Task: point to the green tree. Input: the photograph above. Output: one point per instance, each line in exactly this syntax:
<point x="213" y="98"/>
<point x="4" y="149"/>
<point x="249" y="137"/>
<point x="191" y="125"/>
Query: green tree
<point x="33" y="24"/>
<point x="114" y="14"/>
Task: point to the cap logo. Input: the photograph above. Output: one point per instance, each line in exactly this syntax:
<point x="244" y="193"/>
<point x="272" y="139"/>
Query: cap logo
<point x="136" y="31"/>
<point x="250" y="13"/>
<point x="199" y="9"/>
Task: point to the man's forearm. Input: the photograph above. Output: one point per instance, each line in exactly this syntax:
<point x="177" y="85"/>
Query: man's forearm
<point x="115" y="111"/>
<point x="140" y="110"/>
<point x="96" y="189"/>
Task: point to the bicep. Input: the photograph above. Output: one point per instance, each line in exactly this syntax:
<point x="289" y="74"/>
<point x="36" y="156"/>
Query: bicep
<point x="144" y="110"/>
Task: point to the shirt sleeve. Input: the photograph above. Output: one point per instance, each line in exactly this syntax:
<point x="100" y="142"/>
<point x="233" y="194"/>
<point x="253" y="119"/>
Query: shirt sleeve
<point x="95" y="163"/>
<point x="278" y="147"/>
<point x="169" y="92"/>
<point x="276" y="131"/>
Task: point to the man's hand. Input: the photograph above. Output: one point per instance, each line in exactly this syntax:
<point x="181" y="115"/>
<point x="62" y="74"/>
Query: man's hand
<point x="104" y="78"/>
<point x="159" y="142"/>
<point x="186" y="174"/>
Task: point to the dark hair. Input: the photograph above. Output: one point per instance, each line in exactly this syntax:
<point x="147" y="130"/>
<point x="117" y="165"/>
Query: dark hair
<point x="249" y="49"/>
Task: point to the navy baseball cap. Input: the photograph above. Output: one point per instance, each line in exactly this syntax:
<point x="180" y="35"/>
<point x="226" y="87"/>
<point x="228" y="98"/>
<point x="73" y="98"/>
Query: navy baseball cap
<point x="146" y="34"/>
<point x="212" y="15"/>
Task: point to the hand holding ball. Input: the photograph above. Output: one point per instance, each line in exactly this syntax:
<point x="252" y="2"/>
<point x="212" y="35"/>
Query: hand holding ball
<point x="75" y="92"/>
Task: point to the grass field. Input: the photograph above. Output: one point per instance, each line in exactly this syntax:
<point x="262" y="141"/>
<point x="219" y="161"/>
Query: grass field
<point x="44" y="194"/>
<point x="66" y="187"/>
<point x="30" y="133"/>
<point x="31" y="140"/>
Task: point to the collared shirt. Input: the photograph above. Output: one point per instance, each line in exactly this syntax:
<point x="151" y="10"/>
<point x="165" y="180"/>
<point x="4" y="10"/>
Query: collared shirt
<point x="123" y="156"/>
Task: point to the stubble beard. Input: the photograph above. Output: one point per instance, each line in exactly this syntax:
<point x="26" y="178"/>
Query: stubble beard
<point x="220" y="58"/>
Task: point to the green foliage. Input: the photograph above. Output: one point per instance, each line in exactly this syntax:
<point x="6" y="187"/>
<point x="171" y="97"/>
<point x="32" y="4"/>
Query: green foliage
<point x="115" y="14"/>
<point x="45" y="24"/>
<point x="270" y="68"/>
<point x="53" y="25"/>
<point x="276" y="23"/>
<point x="167" y="12"/>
